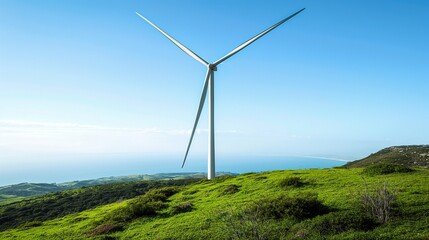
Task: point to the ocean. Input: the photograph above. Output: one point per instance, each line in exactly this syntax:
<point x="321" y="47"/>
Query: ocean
<point x="57" y="169"/>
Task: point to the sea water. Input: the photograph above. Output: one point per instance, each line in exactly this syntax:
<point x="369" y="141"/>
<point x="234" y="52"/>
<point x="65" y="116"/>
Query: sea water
<point x="64" y="168"/>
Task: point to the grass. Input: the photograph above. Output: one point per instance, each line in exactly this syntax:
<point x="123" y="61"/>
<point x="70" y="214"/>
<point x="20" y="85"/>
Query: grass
<point x="195" y="211"/>
<point x="8" y="199"/>
<point x="60" y="204"/>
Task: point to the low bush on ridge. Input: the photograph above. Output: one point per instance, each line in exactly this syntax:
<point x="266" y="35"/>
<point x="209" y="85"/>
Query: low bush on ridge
<point x="334" y="223"/>
<point x="300" y="207"/>
<point x="251" y="221"/>
<point x="182" y="208"/>
<point x="231" y="189"/>
<point x="147" y="205"/>
<point x="386" y="168"/>
<point x="292" y="182"/>
<point x="105" y="229"/>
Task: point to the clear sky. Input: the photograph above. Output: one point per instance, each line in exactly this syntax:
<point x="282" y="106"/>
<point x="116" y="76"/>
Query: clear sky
<point x="342" y="79"/>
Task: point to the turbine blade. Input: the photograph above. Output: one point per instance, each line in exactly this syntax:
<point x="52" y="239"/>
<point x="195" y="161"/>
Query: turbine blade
<point x="250" y="41"/>
<point x="177" y="43"/>
<point x="200" y="108"/>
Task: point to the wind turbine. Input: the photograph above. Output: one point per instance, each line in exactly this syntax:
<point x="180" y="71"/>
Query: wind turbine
<point x="209" y="86"/>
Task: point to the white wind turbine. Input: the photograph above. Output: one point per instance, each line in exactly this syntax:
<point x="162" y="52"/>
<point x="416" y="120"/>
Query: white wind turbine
<point x="209" y="85"/>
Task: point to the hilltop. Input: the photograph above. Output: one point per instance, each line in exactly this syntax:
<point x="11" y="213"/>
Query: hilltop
<point x="283" y="204"/>
<point x="412" y="156"/>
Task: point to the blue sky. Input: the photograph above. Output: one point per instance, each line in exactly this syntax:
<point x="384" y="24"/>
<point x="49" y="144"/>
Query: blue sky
<point x="342" y="79"/>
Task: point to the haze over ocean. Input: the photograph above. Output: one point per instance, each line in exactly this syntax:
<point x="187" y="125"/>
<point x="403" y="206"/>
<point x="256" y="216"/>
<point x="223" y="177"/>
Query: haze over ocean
<point x="89" y="167"/>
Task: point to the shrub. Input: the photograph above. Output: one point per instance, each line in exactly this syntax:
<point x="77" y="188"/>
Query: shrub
<point x="292" y="182"/>
<point x="160" y="194"/>
<point x="258" y="178"/>
<point x="145" y="208"/>
<point x="255" y="220"/>
<point x="386" y="168"/>
<point x="182" y="208"/>
<point x="335" y="223"/>
<point x="32" y="224"/>
<point x="105" y="229"/>
<point x="245" y="223"/>
<point x="147" y="205"/>
<point x="380" y="203"/>
<point x="231" y="189"/>
<point x="302" y="207"/>
<point x="190" y="192"/>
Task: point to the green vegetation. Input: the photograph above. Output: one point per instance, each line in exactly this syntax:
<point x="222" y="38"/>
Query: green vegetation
<point x="386" y="168"/>
<point x="299" y="207"/>
<point x="146" y="205"/>
<point x="17" y="192"/>
<point x="7" y="199"/>
<point x="59" y="204"/>
<point x="411" y="156"/>
<point x="334" y="223"/>
<point x="255" y="206"/>
<point x="30" y="189"/>
<point x="292" y="182"/>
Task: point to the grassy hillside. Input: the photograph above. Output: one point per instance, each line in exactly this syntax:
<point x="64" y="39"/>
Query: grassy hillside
<point x="59" y="204"/>
<point x="7" y="199"/>
<point x="412" y="156"/>
<point x="17" y="192"/>
<point x="295" y="204"/>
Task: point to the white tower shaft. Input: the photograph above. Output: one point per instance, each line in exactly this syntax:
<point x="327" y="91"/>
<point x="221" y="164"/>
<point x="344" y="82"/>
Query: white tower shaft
<point x="211" y="135"/>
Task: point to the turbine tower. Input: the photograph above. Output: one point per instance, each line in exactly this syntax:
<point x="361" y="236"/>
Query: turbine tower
<point x="209" y="86"/>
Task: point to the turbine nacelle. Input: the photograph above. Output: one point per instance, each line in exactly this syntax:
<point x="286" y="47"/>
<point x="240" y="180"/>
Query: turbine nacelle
<point x="212" y="67"/>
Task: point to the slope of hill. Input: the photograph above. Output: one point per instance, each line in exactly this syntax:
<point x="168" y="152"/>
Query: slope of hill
<point x="17" y="192"/>
<point x="293" y="204"/>
<point x="412" y="156"/>
<point x="59" y="204"/>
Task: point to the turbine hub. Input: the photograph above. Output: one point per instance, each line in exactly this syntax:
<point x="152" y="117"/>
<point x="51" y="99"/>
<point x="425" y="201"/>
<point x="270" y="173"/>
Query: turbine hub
<point x="212" y="67"/>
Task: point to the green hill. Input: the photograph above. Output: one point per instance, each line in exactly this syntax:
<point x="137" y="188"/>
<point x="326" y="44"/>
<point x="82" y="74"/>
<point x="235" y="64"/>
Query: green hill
<point x="293" y="204"/>
<point x="412" y="156"/>
<point x="17" y="192"/>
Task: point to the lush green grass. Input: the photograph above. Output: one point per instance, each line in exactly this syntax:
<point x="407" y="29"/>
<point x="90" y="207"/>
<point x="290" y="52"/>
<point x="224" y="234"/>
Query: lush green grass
<point x="7" y="199"/>
<point x="59" y="204"/>
<point x="209" y="203"/>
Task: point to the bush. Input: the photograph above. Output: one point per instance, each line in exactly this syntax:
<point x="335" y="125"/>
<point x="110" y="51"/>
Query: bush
<point x="160" y="194"/>
<point x="302" y="207"/>
<point x="245" y="223"/>
<point x="258" y="178"/>
<point x="231" y="189"/>
<point x="147" y="205"/>
<point x="182" y="208"/>
<point x="145" y="208"/>
<point x="335" y="223"/>
<point x="32" y="224"/>
<point x="292" y="182"/>
<point x="380" y="203"/>
<point x="386" y="168"/>
<point x="190" y="192"/>
<point x="105" y="229"/>
<point x="255" y="220"/>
